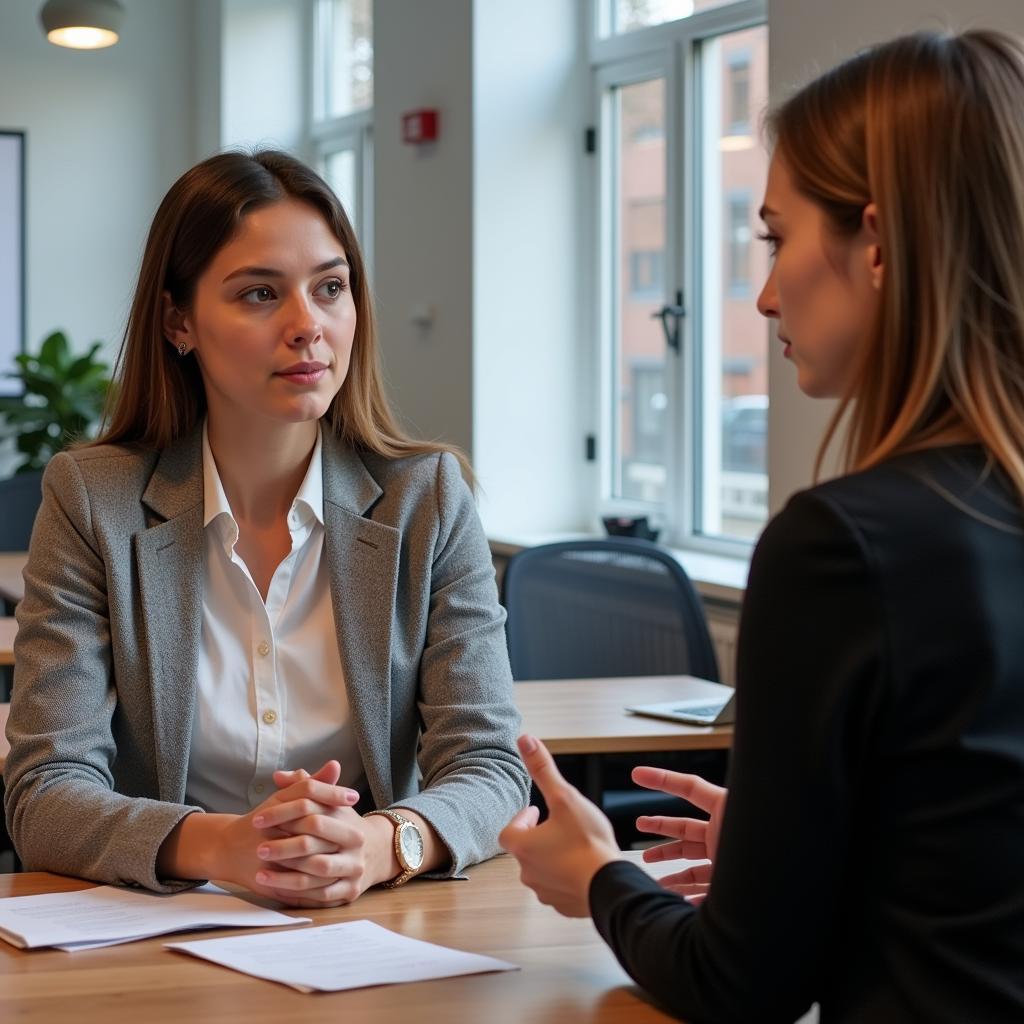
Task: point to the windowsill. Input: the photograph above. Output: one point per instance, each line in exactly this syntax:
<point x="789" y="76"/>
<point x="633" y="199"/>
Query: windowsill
<point x="719" y="579"/>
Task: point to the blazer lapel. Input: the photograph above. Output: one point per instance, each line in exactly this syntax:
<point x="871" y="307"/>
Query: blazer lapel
<point x="169" y="562"/>
<point x="363" y="561"/>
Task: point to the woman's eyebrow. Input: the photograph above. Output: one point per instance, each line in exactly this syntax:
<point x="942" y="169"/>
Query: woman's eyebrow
<point x="338" y="261"/>
<point x="766" y="211"/>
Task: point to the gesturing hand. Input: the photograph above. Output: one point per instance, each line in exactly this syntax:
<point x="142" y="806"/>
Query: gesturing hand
<point x="692" y="839"/>
<point x="558" y="858"/>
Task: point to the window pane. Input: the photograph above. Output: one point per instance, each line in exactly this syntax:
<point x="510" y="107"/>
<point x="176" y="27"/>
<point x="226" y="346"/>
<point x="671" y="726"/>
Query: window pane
<point x="641" y="389"/>
<point x="629" y="15"/>
<point x="733" y="496"/>
<point x="346" y="41"/>
<point x="340" y="173"/>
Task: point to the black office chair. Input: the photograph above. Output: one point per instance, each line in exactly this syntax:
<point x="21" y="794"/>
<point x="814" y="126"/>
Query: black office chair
<point x="20" y="498"/>
<point x="614" y="607"/>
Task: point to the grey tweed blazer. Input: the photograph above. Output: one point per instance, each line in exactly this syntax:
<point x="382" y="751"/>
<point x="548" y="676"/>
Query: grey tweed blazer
<point x="109" y="634"/>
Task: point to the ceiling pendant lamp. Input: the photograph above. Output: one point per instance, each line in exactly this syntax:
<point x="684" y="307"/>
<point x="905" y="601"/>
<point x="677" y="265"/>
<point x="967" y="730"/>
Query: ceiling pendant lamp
<point x="82" y="24"/>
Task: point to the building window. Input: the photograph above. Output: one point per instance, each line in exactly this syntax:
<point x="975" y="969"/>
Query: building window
<point x="740" y="235"/>
<point x="682" y="372"/>
<point x="738" y="91"/>
<point x="342" y="127"/>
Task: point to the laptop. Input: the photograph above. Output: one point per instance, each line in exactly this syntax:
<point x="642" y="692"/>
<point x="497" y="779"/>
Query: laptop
<point x="715" y="709"/>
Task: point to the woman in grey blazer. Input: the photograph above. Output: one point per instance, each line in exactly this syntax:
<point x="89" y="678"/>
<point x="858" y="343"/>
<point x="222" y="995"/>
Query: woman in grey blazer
<point x="253" y="566"/>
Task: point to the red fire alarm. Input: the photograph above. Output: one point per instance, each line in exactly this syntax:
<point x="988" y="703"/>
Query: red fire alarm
<point x="419" y="126"/>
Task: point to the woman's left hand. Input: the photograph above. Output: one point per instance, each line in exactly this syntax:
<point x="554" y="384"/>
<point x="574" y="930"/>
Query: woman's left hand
<point x="558" y="858"/>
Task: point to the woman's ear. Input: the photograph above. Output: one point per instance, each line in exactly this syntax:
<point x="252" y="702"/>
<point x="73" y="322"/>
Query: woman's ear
<point x="176" y="326"/>
<point x="869" y="229"/>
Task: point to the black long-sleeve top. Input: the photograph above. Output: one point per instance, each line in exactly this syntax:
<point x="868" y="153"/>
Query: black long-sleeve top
<point x="872" y="849"/>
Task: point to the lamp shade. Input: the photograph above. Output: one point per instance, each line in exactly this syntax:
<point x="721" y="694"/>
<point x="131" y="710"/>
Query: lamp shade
<point x="82" y="24"/>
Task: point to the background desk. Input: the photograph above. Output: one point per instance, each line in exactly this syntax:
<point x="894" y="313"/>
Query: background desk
<point x="12" y="586"/>
<point x="568" y="974"/>
<point x="588" y="716"/>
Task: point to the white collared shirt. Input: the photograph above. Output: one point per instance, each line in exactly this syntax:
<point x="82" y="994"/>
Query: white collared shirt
<point x="270" y="688"/>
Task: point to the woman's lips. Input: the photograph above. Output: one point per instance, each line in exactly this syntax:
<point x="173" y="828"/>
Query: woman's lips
<point x="303" y="373"/>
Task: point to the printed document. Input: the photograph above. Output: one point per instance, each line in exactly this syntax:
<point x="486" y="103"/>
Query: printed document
<point x="334" y="957"/>
<point x="107" y="915"/>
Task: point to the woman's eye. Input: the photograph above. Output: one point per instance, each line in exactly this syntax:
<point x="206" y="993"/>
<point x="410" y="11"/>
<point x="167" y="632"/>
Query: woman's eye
<point x="333" y="288"/>
<point x="257" y="296"/>
<point x="772" y="240"/>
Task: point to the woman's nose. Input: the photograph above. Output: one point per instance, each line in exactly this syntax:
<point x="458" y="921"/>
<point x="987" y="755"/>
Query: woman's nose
<point x="304" y="326"/>
<point x="768" y="300"/>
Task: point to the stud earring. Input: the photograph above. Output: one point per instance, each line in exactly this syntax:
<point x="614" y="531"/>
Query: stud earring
<point x="182" y="348"/>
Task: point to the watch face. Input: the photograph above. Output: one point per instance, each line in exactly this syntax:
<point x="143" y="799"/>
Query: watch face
<point x="412" y="845"/>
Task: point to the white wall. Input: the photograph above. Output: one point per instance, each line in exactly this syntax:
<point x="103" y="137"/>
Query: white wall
<point x="805" y="38"/>
<point x="423" y="213"/>
<point x="265" y="78"/>
<point x="107" y="133"/>
<point x="530" y="384"/>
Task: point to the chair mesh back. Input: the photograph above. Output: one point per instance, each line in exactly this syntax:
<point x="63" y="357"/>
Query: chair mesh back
<point x="603" y="608"/>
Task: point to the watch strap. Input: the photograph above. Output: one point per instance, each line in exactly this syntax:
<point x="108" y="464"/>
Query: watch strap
<point x="405" y="873"/>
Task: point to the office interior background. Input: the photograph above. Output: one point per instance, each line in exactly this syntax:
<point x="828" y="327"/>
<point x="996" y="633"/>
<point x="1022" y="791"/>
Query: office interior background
<point x="598" y="163"/>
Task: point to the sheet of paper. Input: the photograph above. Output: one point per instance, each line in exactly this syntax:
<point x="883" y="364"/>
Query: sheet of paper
<point x="334" y="957"/>
<point x="107" y="915"/>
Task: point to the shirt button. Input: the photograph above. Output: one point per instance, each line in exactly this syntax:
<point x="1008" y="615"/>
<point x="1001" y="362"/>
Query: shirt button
<point x="258" y="788"/>
<point x="270" y="717"/>
<point x="264" y="649"/>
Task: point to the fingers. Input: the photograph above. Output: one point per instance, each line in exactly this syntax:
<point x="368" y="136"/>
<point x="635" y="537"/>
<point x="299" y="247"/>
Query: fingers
<point x="699" y="874"/>
<point x="329" y="772"/>
<point x="328" y="869"/>
<point x="301" y="799"/>
<point x="690" y="833"/>
<point x="678" y="850"/>
<point x="542" y="768"/>
<point x="699" y="792"/>
<point x="525" y="820"/>
<point x="291" y="847"/>
<point x="692" y="894"/>
<point x="334" y="894"/>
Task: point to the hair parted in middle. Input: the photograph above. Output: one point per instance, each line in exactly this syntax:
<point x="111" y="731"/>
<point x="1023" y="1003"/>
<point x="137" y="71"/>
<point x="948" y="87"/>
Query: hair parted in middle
<point x="159" y="396"/>
<point x="930" y="128"/>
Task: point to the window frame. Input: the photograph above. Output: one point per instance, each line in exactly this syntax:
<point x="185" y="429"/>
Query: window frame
<point x="329" y="135"/>
<point x="671" y="50"/>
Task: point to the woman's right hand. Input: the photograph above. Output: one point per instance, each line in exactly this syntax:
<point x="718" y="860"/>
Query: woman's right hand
<point x="692" y="838"/>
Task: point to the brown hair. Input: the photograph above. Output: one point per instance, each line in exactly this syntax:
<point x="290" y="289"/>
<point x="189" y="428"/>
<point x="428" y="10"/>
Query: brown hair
<point x="159" y="396"/>
<point x="929" y="127"/>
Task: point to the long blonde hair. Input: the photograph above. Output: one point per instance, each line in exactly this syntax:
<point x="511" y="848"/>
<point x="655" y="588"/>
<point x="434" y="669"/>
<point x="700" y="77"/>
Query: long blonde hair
<point x="930" y="127"/>
<point x="159" y="396"/>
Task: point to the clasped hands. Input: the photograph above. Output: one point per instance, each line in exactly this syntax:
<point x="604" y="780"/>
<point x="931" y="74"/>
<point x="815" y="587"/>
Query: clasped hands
<point x="559" y="857"/>
<point x="305" y="845"/>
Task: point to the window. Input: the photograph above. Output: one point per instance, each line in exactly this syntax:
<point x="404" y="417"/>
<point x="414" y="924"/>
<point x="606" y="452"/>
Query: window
<point x="738" y="252"/>
<point x="343" y="107"/>
<point x="620" y="16"/>
<point x="683" y="369"/>
<point x="739" y="94"/>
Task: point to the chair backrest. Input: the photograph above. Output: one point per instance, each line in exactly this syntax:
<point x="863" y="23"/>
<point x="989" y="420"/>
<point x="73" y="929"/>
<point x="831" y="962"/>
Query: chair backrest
<point x="596" y="608"/>
<point x="20" y="498"/>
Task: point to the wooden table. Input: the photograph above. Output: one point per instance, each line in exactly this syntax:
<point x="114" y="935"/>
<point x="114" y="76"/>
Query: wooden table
<point x="568" y="974"/>
<point x="12" y="586"/>
<point x="588" y="716"/>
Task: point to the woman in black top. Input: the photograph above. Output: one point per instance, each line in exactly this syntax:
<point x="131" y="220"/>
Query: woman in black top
<point x="870" y="855"/>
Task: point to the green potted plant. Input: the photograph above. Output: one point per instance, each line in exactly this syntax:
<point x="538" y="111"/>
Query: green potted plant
<point x="63" y="400"/>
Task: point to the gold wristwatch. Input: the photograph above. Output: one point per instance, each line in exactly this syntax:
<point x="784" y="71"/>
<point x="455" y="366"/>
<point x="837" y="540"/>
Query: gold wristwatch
<point x="408" y="847"/>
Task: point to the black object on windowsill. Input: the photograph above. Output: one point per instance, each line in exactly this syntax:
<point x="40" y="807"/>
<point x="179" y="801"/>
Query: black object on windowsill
<point x="630" y="526"/>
